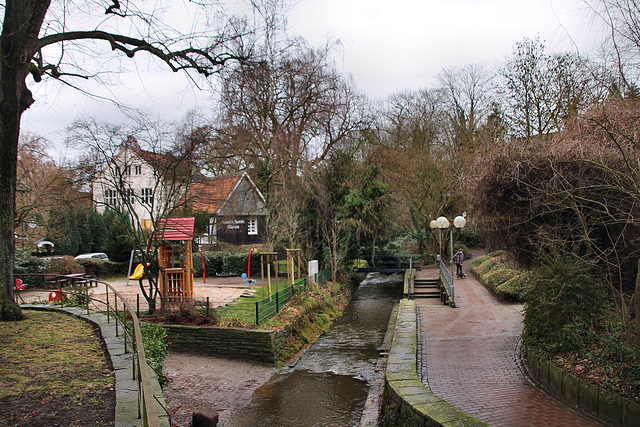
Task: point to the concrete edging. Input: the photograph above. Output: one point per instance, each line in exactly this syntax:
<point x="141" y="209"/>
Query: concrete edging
<point x="606" y="404"/>
<point x="407" y="400"/>
<point x="126" y="387"/>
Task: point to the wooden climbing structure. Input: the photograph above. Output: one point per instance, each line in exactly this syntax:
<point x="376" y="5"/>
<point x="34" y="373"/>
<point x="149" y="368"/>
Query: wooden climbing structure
<point x="175" y="257"/>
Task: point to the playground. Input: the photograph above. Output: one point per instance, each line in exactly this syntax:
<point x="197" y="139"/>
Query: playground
<point x="219" y="290"/>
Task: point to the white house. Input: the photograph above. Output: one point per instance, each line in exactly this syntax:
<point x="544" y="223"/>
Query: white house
<point x="147" y="185"/>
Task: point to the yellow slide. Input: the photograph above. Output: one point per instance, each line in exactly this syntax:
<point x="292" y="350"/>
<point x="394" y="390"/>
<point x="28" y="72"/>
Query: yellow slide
<point x="137" y="273"/>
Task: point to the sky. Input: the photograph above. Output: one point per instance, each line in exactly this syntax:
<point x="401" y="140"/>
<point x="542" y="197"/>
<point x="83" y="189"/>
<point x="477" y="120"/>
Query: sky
<point x="386" y="46"/>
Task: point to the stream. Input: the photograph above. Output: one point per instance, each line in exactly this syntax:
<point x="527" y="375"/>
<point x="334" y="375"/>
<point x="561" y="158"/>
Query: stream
<point x="329" y="384"/>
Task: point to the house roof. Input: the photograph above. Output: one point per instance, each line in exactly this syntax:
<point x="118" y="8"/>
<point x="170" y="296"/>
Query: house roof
<point x="173" y="229"/>
<point x="209" y="196"/>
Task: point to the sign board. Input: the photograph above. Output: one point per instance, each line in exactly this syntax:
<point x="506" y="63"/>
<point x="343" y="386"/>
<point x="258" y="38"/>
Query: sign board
<point x="313" y="270"/>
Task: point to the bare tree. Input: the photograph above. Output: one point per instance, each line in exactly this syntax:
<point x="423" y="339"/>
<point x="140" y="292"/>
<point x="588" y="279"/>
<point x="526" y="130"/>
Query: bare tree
<point x="289" y="108"/>
<point x="413" y="156"/>
<point x="41" y="183"/>
<point x="541" y="91"/>
<point x="621" y="19"/>
<point x="140" y="179"/>
<point x="37" y="40"/>
<point x="577" y="196"/>
<point x="467" y="99"/>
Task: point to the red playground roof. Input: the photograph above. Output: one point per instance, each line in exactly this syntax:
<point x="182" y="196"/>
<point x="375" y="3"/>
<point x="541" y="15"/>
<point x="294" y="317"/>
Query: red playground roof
<point x="173" y="229"/>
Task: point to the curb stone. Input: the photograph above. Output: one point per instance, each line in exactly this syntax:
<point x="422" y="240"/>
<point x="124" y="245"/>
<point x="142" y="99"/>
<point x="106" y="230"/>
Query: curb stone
<point x="408" y="400"/>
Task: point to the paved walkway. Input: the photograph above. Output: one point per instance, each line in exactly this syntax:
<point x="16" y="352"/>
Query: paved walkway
<point x="469" y="360"/>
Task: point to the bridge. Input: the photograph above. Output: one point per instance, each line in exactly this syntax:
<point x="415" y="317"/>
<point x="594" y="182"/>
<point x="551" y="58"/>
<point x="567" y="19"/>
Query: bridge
<point x="390" y="263"/>
<point x="439" y="287"/>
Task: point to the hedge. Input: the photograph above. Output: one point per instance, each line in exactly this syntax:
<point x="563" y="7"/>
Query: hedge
<point x="497" y="274"/>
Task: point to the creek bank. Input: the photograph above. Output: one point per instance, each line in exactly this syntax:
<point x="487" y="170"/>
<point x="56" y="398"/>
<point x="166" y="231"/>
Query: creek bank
<point x="211" y="379"/>
<point x="299" y="324"/>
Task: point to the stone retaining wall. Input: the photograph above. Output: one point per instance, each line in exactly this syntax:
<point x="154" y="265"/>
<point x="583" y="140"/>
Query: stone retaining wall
<point x="259" y="345"/>
<point x="606" y="404"/>
<point x="408" y="401"/>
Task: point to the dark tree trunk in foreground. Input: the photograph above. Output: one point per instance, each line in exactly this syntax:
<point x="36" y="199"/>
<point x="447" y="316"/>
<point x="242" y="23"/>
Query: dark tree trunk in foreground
<point x="22" y="22"/>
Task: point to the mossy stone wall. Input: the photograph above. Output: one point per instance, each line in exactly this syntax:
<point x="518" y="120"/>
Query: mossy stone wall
<point x="259" y="345"/>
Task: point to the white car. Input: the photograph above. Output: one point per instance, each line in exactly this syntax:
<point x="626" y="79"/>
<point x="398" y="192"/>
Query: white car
<point x="98" y="255"/>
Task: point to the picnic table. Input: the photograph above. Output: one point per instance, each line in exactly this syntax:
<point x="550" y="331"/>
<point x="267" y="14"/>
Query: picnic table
<point x="80" y="279"/>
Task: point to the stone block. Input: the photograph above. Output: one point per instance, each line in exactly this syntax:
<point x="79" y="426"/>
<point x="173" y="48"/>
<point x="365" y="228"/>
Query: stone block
<point x="555" y="378"/>
<point x="204" y="417"/>
<point x="441" y="412"/>
<point x="630" y="413"/>
<point x="570" y="388"/>
<point x="609" y="406"/>
<point x="589" y="395"/>
<point x="544" y="372"/>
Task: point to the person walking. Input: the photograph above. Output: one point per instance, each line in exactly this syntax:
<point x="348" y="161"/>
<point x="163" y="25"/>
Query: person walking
<point x="458" y="259"/>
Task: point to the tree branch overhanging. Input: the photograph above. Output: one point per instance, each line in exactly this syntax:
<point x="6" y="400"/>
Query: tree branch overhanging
<point x="203" y="61"/>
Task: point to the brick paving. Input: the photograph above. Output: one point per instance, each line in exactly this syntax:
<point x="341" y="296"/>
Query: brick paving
<point x="470" y="357"/>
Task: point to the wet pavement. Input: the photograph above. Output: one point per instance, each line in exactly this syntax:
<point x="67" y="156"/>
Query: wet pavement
<point x="470" y="358"/>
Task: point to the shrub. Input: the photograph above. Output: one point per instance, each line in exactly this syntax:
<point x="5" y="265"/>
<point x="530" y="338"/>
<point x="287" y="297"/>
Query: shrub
<point x="564" y="303"/>
<point x="103" y="269"/>
<point x="156" y="347"/>
<point x="498" y="275"/>
<point x="485" y="267"/>
<point x="515" y="288"/>
<point x="62" y="264"/>
<point x="479" y="260"/>
<point x="25" y="263"/>
<point x="233" y="263"/>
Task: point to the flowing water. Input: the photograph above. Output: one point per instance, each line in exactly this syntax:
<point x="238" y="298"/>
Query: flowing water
<point x="329" y="385"/>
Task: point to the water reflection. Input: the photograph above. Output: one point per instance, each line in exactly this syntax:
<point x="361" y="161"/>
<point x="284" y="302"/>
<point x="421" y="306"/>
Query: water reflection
<point x="302" y="398"/>
<point x="329" y="385"/>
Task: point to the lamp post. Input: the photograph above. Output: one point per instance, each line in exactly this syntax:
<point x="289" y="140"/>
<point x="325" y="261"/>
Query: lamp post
<point x="442" y="224"/>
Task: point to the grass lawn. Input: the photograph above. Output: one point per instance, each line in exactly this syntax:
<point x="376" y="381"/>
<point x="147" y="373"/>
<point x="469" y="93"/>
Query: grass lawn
<point x="54" y="371"/>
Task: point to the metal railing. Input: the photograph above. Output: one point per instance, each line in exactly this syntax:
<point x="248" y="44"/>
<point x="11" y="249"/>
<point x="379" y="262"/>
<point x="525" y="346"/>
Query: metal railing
<point x="391" y="262"/>
<point x="447" y="280"/>
<point x="409" y="277"/>
<point x="262" y="310"/>
<point x="147" y="410"/>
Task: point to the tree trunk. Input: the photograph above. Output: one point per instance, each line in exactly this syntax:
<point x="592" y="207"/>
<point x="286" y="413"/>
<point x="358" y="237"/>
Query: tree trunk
<point x="637" y="297"/>
<point x="22" y="22"/>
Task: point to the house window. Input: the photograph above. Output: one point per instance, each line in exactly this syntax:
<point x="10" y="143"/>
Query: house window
<point x="129" y="196"/>
<point x="137" y="169"/>
<point x="252" y="227"/>
<point x="110" y="197"/>
<point x="147" y="196"/>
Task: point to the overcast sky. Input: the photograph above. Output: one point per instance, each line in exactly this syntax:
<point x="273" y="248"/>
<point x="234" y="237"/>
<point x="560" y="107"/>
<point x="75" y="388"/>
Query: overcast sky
<point x="387" y="46"/>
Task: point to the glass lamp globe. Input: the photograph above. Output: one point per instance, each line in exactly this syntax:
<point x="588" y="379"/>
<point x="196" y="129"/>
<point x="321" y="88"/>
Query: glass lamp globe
<point x="442" y="222"/>
<point x="459" y="222"/>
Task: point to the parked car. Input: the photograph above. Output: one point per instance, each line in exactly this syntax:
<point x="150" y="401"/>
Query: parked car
<point x="98" y="255"/>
